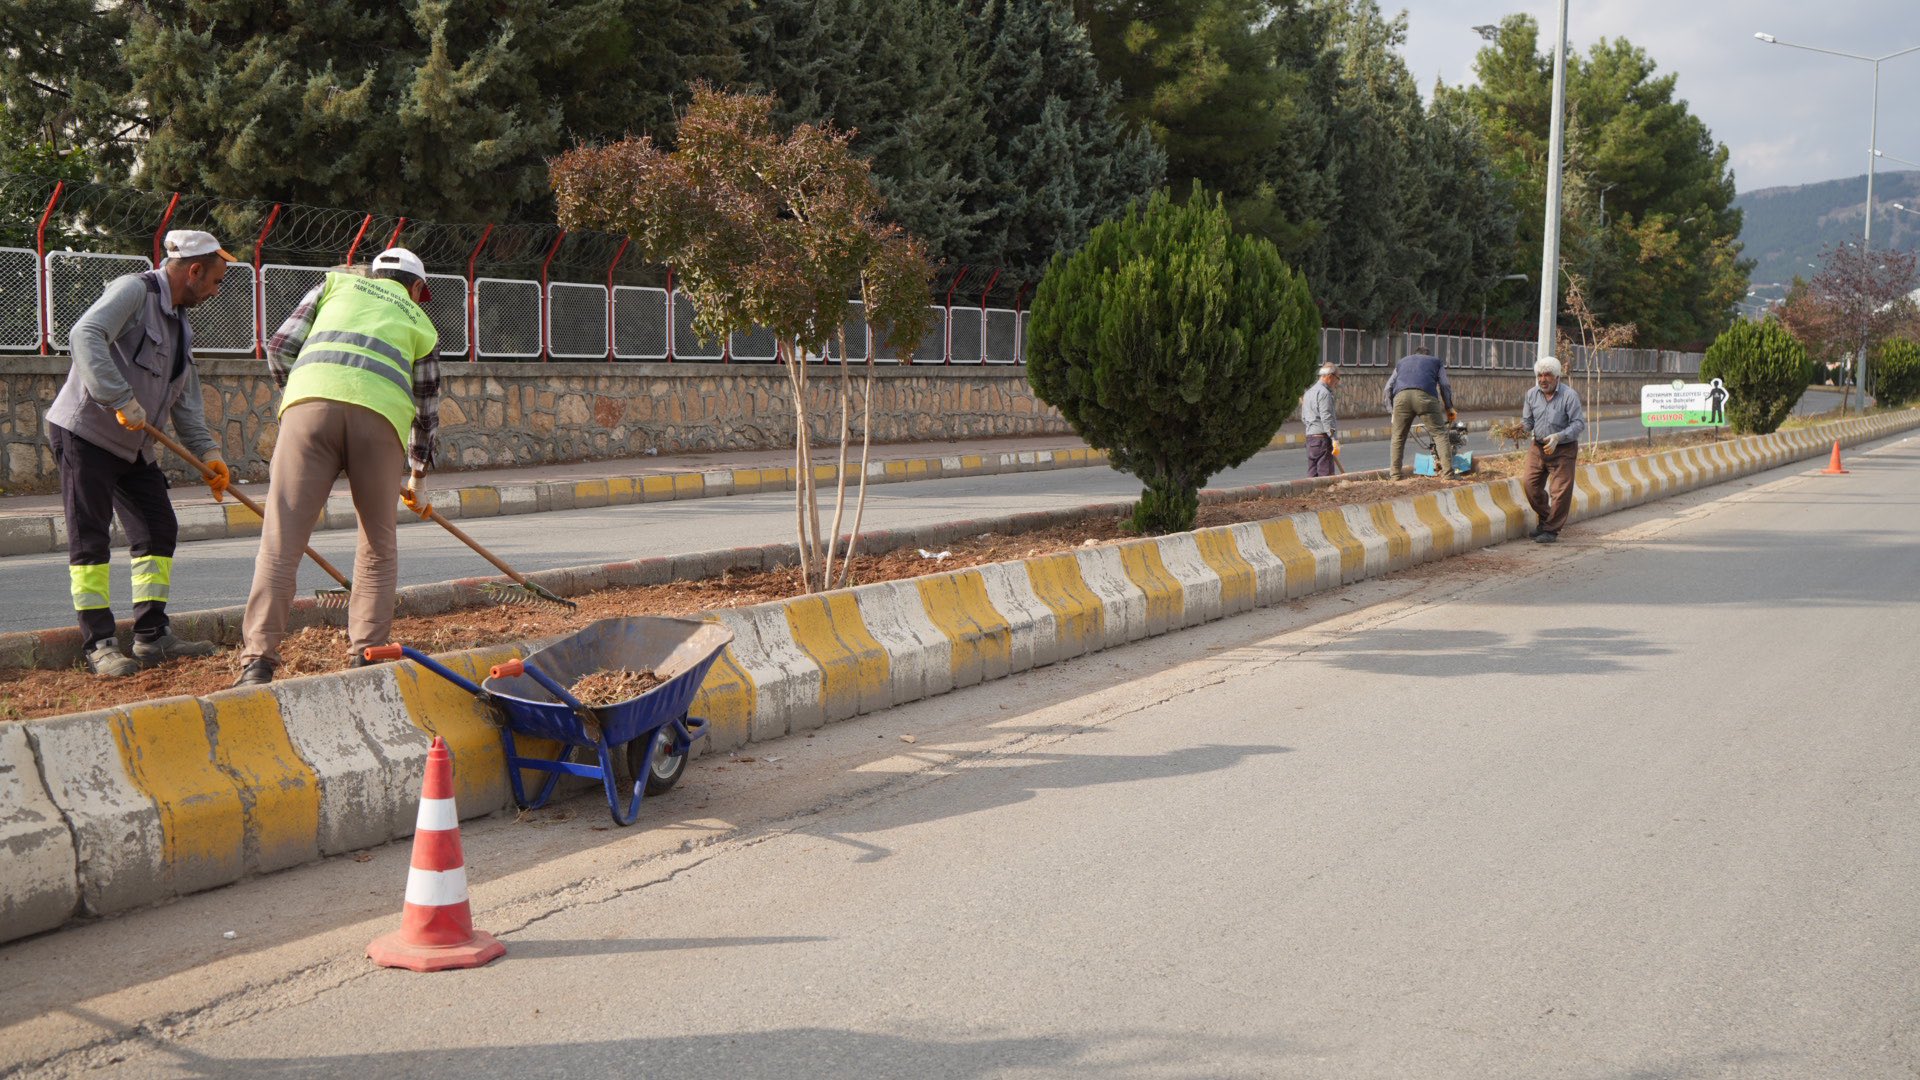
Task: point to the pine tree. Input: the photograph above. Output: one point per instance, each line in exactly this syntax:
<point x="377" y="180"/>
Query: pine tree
<point x="61" y="83"/>
<point x="894" y="72"/>
<point x="1063" y="161"/>
<point x="447" y="109"/>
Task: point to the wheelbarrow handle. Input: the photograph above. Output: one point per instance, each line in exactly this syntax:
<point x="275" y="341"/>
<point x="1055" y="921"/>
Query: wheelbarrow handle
<point x="513" y="669"/>
<point x="395" y="652"/>
<point x="379" y="653"/>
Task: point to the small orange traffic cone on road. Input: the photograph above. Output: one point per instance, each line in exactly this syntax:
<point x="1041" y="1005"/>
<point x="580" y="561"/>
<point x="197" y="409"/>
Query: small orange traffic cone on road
<point x="1834" y="468"/>
<point x="436" y="924"/>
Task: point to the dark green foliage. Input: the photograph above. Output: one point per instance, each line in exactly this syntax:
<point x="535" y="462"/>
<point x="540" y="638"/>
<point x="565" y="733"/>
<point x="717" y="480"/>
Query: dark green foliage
<point x="443" y="109"/>
<point x="62" y="84"/>
<point x="992" y="137"/>
<point x="1896" y="373"/>
<point x="1764" y="368"/>
<point x="1176" y="345"/>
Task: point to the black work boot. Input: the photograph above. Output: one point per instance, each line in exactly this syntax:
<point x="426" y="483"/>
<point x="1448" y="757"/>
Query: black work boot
<point x="257" y="673"/>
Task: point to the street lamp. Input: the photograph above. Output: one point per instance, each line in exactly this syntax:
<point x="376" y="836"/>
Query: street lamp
<point x="1550" y="245"/>
<point x="1873" y="142"/>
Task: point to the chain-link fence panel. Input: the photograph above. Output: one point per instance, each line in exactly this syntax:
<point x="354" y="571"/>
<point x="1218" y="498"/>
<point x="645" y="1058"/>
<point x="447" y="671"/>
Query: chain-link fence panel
<point x="854" y="326"/>
<point x="1002" y="344"/>
<point x="1022" y="349"/>
<point x="755" y="346"/>
<point x="507" y="311"/>
<point x="966" y="335"/>
<point x="19" y="300"/>
<point x="448" y="310"/>
<point x="933" y="348"/>
<point x="75" y="280"/>
<point x="576" y="321"/>
<point x="687" y="343"/>
<point x="282" y="287"/>
<point x="225" y="323"/>
<point x="639" y="323"/>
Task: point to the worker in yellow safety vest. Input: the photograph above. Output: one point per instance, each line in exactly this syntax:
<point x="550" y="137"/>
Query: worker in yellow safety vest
<point x="362" y="391"/>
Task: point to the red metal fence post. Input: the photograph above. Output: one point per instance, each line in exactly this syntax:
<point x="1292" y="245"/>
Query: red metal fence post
<point x="394" y="240"/>
<point x="260" y="287"/>
<point x="473" y="299"/>
<point x="46" y="279"/>
<point x="617" y="256"/>
<point x="670" y="331"/>
<point x="546" y="304"/>
<point x="161" y="232"/>
<point x="355" y="246"/>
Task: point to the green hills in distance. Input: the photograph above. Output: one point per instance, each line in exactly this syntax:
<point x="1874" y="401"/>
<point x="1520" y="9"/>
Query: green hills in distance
<point x="1785" y="228"/>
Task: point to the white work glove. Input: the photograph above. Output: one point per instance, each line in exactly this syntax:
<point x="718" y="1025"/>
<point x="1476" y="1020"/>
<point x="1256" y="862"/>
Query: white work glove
<point x="1552" y="444"/>
<point x="410" y="494"/>
<point x="131" y="415"/>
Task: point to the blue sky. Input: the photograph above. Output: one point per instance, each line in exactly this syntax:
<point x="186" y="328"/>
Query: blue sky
<point x="1786" y="116"/>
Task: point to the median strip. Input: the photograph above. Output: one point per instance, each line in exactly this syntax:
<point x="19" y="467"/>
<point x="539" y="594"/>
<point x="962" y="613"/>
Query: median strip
<point x="126" y="806"/>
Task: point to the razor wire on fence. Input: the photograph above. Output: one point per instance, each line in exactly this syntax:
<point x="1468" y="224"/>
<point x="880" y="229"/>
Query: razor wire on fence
<point x="531" y="291"/>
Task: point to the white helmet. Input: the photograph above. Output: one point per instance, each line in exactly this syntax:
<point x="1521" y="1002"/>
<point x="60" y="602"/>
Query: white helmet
<point x="399" y="258"/>
<point x="1547" y="365"/>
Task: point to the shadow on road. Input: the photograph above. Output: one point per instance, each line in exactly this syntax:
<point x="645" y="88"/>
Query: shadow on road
<point x="1585" y="650"/>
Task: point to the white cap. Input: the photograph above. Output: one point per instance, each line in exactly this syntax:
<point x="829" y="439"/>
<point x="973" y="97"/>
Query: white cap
<point x="1547" y="365"/>
<point x="399" y="258"/>
<point x="192" y="243"/>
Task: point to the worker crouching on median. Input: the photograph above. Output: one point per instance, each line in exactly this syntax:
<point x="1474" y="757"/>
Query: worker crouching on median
<point x="1553" y="418"/>
<point x="132" y="366"/>
<point x="1323" y="432"/>
<point x="361" y="395"/>
<point x="1418" y="391"/>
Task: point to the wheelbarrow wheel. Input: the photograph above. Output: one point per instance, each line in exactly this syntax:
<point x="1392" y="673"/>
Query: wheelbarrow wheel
<point x="662" y="772"/>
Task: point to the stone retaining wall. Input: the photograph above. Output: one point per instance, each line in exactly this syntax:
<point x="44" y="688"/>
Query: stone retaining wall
<point x="496" y="414"/>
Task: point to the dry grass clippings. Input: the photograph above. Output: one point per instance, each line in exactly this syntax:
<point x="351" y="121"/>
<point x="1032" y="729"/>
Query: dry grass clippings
<point x="613" y="687"/>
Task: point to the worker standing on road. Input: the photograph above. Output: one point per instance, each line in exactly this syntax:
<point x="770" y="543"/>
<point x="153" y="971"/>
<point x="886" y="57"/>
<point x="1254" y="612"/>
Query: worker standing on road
<point x="1552" y="416"/>
<point x="1323" y="433"/>
<point x="133" y="365"/>
<point x="362" y="394"/>
<point x="1417" y="390"/>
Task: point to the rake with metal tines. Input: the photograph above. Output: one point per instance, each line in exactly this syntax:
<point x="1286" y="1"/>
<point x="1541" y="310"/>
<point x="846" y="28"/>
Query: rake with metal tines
<point x="522" y="592"/>
<point x="326" y="598"/>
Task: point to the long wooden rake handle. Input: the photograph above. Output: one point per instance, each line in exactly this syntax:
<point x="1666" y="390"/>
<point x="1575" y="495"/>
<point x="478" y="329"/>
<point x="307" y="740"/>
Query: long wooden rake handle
<point x="207" y="474"/>
<point x="426" y="512"/>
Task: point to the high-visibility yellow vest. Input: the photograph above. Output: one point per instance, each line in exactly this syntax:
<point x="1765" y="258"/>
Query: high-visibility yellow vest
<point x="366" y="334"/>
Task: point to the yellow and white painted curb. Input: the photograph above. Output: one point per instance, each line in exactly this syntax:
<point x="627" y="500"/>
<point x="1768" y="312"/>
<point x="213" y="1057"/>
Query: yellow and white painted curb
<point x="105" y="811"/>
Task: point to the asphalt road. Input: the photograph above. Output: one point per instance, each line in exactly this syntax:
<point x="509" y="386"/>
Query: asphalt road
<point x="218" y="573"/>
<point x="1639" y="806"/>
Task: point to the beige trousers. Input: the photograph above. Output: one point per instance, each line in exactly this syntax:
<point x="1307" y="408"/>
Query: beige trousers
<point x="318" y="440"/>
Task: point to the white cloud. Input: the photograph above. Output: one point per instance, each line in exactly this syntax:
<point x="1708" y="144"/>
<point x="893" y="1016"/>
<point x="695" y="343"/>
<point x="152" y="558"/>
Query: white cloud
<point x="1786" y="116"/>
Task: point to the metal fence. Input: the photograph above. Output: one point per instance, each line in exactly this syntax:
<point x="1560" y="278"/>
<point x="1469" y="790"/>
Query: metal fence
<point x="1363" y="349"/>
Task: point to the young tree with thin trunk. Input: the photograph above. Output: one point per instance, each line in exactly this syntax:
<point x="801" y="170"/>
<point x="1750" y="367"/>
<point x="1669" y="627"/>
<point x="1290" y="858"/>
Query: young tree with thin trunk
<point x="764" y="229"/>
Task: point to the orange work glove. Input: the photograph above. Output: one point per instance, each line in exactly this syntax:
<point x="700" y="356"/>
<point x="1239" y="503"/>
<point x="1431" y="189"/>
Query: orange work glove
<point x="1336" y="448"/>
<point x="220" y="476"/>
<point x="410" y="494"/>
<point x="132" y="416"/>
<point x="1452" y="416"/>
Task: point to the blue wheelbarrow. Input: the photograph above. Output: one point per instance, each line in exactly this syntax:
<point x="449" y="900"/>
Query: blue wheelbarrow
<point x="641" y="743"/>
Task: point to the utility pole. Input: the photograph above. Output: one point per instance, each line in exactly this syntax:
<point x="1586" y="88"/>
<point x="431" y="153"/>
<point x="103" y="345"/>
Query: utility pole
<point x="1550" y="246"/>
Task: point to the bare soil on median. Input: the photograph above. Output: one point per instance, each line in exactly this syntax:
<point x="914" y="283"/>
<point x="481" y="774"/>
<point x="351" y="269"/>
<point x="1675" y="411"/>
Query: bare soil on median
<point x="26" y="693"/>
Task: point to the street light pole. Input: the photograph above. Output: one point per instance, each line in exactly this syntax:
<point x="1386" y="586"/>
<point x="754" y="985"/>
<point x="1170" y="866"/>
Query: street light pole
<point x="1550" y="240"/>
<point x="1873" y="155"/>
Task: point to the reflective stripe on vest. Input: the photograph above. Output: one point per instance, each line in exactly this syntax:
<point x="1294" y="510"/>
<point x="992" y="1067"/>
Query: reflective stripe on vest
<point x="360" y="349"/>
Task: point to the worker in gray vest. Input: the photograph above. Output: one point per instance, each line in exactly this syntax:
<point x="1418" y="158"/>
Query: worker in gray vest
<point x="133" y="366"/>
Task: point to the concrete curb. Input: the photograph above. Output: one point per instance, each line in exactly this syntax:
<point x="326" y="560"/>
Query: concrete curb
<point x="106" y="811"/>
<point x="39" y="534"/>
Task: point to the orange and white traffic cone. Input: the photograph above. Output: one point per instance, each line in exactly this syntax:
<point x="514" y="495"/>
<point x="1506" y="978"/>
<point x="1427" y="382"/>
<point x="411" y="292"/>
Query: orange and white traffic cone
<point x="436" y="925"/>
<point x="1834" y="468"/>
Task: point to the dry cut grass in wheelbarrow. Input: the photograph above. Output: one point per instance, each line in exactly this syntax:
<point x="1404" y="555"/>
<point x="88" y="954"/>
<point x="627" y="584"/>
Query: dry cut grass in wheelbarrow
<point x="613" y="687"/>
<point x="28" y="693"/>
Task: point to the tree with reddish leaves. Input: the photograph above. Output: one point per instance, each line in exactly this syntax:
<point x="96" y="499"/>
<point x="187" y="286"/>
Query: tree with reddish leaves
<point x="1856" y="300"/>
<point x="768" y="229"/>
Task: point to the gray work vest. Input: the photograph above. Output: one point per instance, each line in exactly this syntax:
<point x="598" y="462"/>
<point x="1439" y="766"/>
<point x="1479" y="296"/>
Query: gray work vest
<point x="153" y="356"/>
